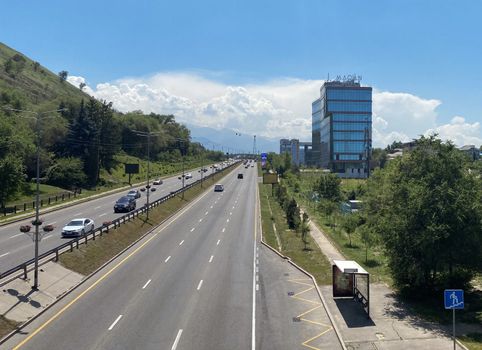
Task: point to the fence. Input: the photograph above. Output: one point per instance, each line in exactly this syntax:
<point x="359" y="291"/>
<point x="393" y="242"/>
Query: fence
<point x="69" y="246"/>
<point x="43" y="201"/>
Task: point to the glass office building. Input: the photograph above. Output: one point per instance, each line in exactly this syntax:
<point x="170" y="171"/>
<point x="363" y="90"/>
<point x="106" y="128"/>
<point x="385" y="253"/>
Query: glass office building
<point x="342" y="128"/>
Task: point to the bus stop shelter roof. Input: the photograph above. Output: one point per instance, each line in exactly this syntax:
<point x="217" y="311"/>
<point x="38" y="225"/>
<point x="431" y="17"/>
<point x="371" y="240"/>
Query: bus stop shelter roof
<point x="350" y="266"/>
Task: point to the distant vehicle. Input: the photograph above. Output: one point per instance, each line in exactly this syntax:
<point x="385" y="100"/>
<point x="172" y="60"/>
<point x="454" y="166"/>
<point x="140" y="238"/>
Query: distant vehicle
<point x="153" y="189"/>
<point x="143" y="189"/>
<point x="218" y="188"/>
<point x="157" y="182"/>
<point x="215" y="166"/>
<point x="78" y="227"/>
<point x="188" y="176"/>
<point x="252" y="165"/>
<point x="240" y="176"/>
<point x="134" y="193"/>
<point x="125" y="203"/>
<point x="205" y="169"/>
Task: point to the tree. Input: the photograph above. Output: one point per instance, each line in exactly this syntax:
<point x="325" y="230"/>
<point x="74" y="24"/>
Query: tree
<point x="328" y="187"/>
<point x="349" y="224"/>
<point x="426" y="207"/>
<point x="82" y="86"/>
<point x="63" y="74"/>
<point x="368" y="238"/>
<point x="293" y="214"/>
<point x="11" y="177"/>
<point x="305" y="229"/>
<point x="67" y="173"/>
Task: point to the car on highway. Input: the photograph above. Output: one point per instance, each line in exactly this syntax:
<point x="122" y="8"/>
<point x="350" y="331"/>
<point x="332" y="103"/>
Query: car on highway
<point x="240" y="176"/>
<point x="134" y="193"/>
<point x="188" y="176"/>
<point x="125" y="203"/>
<point x="78" y="227"/>
<point x="153" y="189"/>
<point x="218" y="188"/>
<point x="157" y="182"/>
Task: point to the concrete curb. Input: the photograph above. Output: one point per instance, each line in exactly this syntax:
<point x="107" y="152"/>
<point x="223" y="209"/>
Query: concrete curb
<point x="92" y="274"/>
<point x="330" y="316"/>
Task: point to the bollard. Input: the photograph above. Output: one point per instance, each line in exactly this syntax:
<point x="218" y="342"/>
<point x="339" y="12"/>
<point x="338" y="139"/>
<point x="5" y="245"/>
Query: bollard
<point x="71" y="247"/>
<point x="56" y="255"/>
<point x="77" y="243"/>
<point x="24" y="272"/>
<point x="93" y="235"/>
<point x="85" y="236"/>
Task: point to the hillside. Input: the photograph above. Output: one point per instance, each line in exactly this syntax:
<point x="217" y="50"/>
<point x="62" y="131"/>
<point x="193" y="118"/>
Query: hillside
<point x="28" y="82"/>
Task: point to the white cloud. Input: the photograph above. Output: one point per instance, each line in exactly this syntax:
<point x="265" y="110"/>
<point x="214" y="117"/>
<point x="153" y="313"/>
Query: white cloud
<point x="277" y="108"/>
<point x="459" y="131"/>
<point x="76" y="81"/>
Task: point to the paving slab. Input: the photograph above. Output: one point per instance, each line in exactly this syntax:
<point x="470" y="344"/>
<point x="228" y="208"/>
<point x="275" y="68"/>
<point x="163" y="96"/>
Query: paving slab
<point x="19" y="302"/>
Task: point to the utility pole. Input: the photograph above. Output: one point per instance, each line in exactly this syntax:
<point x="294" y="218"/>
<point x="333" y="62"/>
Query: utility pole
<point x="37" y="116"/>
<point x="148" y="135"/>
<point x="254" y="146"/>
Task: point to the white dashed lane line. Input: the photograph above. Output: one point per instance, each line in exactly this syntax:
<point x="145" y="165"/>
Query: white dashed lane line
<point x="115" y="322"/>
<point x="211" y="258"/>
<point x="167" y="259"/>
<point x="200" y="284"/>
<point x="145" y="285"/>
<point x="217" y="243"/>
<point x="193" y="229"/>
<point x="176" y="341"/>
<point x="224" y="229"/>
<point x="5" y="254"/>
<point x="18" y="234"/>
<point x="201" y="219"/>
<point x="180" y="243"/>
<point x="206" y="213"/>
<point x="102" y="215"/>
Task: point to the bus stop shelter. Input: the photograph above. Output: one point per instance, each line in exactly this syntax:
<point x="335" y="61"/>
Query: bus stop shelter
<point x="350" y="280"/>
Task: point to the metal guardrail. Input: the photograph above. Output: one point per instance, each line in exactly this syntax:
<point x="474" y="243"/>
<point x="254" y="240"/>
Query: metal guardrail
<point x="99" y="231"/>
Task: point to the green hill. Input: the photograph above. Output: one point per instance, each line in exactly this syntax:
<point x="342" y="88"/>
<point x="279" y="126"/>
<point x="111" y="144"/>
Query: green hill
<point x="27" y="84"/>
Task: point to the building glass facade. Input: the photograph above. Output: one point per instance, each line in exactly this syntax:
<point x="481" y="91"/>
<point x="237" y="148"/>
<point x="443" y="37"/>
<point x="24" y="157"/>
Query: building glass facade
<point x="342" y="128"/>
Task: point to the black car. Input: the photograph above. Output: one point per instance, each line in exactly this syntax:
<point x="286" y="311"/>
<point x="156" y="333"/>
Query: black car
<point x="240" y="176"/>
<point x="125" y="203"/>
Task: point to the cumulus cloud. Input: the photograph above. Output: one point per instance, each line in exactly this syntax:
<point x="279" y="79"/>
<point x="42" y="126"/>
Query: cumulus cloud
<point x="76" y="81"/>
<point x="459" y="131"/>
<point x="277" y="108"/>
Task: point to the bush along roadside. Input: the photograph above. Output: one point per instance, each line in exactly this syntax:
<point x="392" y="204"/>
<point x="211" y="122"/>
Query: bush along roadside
<point x="284" y="227"/>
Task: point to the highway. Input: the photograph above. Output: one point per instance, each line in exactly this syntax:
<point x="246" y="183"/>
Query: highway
<point x="189" y="285"/>
<point x="17" y="247"/>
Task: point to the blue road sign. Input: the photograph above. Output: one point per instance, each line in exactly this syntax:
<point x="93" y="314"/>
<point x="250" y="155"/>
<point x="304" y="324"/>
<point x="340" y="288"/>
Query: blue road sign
<point x="454" y="298"/>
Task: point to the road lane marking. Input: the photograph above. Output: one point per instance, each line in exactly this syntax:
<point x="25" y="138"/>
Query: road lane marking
<point x="201" y="219"/>
<point x="47" y="237"/>
<point x="211" y="207"/>
<point x="167" y="259"/>
<point x="257" y="286"/>
<point x="224" y="229"/>
<point x="97" y="207"/>
<point x="233" y="206"/>
<point x="108" y="273"/>
<point x="230" y="213"/>
<point x="145" y="285"/>
<point x="53" y="222"/>
<point x="1" y="256"/>
<point x="176" y="341"/>
<point x="255" y="272"/>
<point x="18" y="234"/>
<point x="206" y="213"/>
<point x="211" y="258"/>
<point x="217" y="243"/>
<point x="78" y="214"/>
<point x="114" y="323"/>
<point x="180" y="243"/>
<point x="102" y="215"/>
<point x="193" y="229"/>
<point x="200" y="284"/>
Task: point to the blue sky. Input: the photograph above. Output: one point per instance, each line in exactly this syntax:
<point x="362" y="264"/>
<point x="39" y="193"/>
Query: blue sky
<point x="430" y="49"/>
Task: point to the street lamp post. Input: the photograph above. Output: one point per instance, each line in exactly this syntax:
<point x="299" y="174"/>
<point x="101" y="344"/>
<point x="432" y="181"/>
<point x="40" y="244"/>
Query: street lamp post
<point x="147" y="134"/>
<point x="37" y="116"/>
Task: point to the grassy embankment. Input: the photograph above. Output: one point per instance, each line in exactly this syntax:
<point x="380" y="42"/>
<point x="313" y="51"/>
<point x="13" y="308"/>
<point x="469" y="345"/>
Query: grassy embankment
<point x="89" y="257"/>
<point x="311" y="258"/>
<point x="377" y="263"/>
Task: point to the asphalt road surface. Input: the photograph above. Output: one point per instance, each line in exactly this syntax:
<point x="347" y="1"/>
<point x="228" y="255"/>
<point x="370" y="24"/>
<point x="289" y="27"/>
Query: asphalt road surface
<point x="189" y="285"/>
<point x="17" y="247"/>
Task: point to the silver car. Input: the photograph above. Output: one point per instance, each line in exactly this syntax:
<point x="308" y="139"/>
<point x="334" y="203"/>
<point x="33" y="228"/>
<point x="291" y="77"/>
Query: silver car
<point x="78" y="227"/>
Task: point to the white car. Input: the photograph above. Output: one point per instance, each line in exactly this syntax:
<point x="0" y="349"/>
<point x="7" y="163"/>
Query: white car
<point x="78" y="227"/>
<point x="188" y="176"/>
<point x="157" y="182"/>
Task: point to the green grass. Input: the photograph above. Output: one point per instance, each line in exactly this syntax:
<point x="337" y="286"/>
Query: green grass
<point x="6" y="326"/>
<point x="89" y="257"/>
<point x="28" y="193"/>
<point x="311" y="259"/>
<point x="472" y="340"/>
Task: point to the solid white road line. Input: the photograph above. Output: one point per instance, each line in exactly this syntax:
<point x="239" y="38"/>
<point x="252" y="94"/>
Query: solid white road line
<point x="167" y="259"/>
<point x="102" y="215"/>
<point x="211" y="258"/>
<point x="218" y="242"/>
<point x="176" y="341"/>
<point x="145" y="285"/>
<point x="1" y="256"/>
<point x="180" y="243"/>
<point x="200" y="284"/>
<point x="18" y="234"/>
<point x="114" y="323"/>
<point x="193" y="229"/>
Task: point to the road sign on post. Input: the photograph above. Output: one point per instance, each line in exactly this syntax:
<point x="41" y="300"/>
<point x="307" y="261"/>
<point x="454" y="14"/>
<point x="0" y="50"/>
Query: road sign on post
<point x="454" y="299"/>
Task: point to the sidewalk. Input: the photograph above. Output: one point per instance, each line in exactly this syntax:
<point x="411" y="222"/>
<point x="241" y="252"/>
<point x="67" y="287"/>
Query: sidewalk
<point x="390" y="325"/>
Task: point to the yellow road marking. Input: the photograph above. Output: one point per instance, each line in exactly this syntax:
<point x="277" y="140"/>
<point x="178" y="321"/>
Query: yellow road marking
<point x="50" y="320"/>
